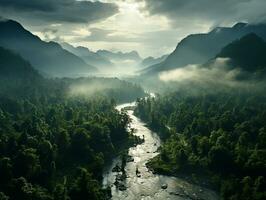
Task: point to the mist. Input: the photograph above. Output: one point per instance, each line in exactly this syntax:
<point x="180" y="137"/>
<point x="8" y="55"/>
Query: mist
<point x="112" y="88"/>
<point x="218" y="72"/>
<point x="87" y="89"/>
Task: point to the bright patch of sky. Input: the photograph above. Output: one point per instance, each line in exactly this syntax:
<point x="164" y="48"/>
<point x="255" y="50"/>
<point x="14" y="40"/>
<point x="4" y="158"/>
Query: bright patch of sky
<point x="151" y="27"/>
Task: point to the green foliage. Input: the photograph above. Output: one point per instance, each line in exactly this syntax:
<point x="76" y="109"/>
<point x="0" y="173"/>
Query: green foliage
<point x="18" y="79"/>
<point x="60" y="136"/>
<point x="220" y="136"/>
<point x="54" y="144"/>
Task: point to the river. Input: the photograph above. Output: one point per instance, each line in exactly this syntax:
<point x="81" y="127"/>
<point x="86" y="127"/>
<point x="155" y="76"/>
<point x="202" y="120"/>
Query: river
<point x="146" y="185"/>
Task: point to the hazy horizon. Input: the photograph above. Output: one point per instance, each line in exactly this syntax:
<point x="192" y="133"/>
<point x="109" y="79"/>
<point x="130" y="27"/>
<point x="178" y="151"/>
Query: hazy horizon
<point x="153" y="28"/>
<point x="172" y="107"/>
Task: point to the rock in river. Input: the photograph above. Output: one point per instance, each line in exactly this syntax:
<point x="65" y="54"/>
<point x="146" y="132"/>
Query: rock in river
<point x="164" y="186"/>
<point x="116" y="169"/>
<point x="120" y="186"/>
<point x="130" y="159"/>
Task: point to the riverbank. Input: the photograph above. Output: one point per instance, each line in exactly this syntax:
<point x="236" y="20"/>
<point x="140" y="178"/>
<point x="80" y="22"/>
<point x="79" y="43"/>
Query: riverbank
<point x="163" y="165"/>
<point x="139" y="182"/>
<point x="199" y="177"/>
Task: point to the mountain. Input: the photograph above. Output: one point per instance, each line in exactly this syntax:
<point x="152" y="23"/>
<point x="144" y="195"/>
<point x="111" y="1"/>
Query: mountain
<point x="111" y="63"/>
<point x="17" y="76"/>
<point x="247" y="53"/>
<point x="88" y="56"/>
<point x="47" y="57"/>
<point x="13" y="66"/>
<point x="125" y="63"/>
<point x="152" y="61"/>
<point x="120" y="56"/>
<point x="199" y="48"/>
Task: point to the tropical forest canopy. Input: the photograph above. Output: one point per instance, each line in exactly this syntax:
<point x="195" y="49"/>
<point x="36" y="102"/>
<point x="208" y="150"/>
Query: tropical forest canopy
<point x="59" y="126"/>
<point x="56" y="136"/>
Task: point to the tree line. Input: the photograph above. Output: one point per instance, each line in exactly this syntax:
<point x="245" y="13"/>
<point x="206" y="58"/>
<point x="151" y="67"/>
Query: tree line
<point x="54" y="145"/>
<point x="219" y="137"/>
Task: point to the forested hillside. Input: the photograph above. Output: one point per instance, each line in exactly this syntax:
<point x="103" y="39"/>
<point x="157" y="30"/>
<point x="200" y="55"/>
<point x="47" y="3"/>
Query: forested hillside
<point x="52" y="148"/>
<point x="53" y="143"/>
<point x="132" y="100"/>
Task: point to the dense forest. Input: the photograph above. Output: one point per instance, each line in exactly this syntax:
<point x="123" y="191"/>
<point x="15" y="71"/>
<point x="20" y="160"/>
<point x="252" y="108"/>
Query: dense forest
<point x="77" y="122"/>
<point x="216" y="137"/>
<point x="18" y="79"/>
<point x="54" y="144"/>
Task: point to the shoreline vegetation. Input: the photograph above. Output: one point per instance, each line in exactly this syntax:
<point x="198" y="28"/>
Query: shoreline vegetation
<point x="216" y="140"/>
<point x="53" y="143"/>
<point x="60" y="123"/>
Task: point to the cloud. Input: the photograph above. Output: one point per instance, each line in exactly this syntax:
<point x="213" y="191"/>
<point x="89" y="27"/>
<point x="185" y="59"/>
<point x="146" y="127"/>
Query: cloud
<point x="213" y="11"/>
<point x="51" y="34"/>
<point x="152" y="27"/>
<point x="57" y="10"/>
<point x="216" y="76"/>
<point x="146" y="38"/>
<point x="29" y="5"/>
<point x="105" y="35"/>
<point x="218" y="72"/>
<point x="97" y="34"/>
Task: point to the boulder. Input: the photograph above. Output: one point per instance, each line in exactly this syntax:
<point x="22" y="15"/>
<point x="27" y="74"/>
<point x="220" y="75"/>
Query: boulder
<point x="164" y="186"/>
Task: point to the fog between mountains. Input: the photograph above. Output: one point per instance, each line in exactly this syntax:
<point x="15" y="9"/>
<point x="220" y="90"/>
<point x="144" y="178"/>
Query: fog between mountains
<point x="217" y="72"/>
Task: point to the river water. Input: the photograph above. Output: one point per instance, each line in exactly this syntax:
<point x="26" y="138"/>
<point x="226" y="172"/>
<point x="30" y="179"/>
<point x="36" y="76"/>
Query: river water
<point x="147" y="185"/>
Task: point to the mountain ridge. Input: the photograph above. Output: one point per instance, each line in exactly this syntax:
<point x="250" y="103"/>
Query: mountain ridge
<point x="47" y="57"/>
<point x="199" y="48"/>
<point x="247" y="53"/>
<point x="88" y="56"/>
<point x="132" y="55"/>
<point x="13" y="65"/>
<point x="152" y="61"/>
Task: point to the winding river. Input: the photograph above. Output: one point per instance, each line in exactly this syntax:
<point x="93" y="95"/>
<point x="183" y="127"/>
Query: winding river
<point x="145" y="185"/>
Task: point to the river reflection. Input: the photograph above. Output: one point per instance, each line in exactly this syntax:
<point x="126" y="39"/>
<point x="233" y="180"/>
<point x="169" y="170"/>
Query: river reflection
<point x="148" y="185"/>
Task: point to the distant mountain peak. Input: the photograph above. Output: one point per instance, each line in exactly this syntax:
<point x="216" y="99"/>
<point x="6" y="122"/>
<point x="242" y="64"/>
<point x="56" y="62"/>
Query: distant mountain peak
<point x="199" y="48"/>
<point x="47" y="57"/>
<point x="83" y="48"/>
<point x="134" y="52"/>
<point x="89" y="56"/>
<point x="152" y="61"/>
<point x="132" y="55"/>
<point x="240" y="25"/>
<point x="11" y="28"/>
<point x="11" y="22"/>
<point x="248" y="52"/>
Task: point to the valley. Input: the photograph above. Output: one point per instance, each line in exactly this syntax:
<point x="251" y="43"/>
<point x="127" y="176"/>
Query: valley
<point x="132" y="100"/>
<point x="143" y="184"/>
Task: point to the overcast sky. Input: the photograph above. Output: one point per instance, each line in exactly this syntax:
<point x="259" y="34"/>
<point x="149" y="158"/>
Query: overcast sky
<point x="152" y="27"/>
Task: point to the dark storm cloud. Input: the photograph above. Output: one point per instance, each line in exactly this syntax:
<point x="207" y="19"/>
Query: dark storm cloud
<point x="29" y="5"/>
<point x="57" y="11"/>
<point x="216" y="11"/>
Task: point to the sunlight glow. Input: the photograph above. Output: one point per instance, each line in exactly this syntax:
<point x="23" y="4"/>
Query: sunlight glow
<point x="131" y="27"/>
<point x="129" y="7"/>
<point x="82" y="32"/>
